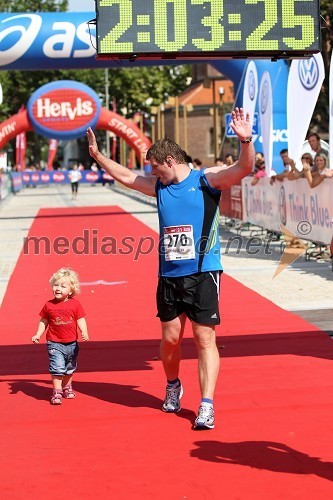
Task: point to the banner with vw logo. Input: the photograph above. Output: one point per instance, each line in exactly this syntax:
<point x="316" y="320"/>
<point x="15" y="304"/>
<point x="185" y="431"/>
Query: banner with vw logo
<point x="304" y="83"/>
<point x="331" y="111"/>
<point x="266" y="119"/>
<point x="250" y="90"/>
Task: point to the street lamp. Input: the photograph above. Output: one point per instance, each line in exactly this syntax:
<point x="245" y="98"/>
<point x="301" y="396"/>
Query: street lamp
<point x="221" y="92"/>
<point x="107" y="105"/>
<point x="174" y="101"/>
<point x="186" y="108"/>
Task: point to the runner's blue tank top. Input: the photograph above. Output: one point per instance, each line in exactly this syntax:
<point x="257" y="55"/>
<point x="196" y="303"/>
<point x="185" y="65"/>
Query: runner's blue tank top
<point x="189" y="226"/>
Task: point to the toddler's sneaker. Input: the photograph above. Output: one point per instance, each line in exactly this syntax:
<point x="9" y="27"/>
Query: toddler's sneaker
<point x="68" y="392"/>
<point x="205" y="418"/>
<point x="172" y="399"/>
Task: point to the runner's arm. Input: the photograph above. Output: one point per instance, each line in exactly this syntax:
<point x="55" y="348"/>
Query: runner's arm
<point x="122" y="174"/>
<point x="221" y="177"/>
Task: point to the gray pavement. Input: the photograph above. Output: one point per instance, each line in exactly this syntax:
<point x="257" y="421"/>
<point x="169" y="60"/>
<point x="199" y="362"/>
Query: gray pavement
<point x="305" y="287"/>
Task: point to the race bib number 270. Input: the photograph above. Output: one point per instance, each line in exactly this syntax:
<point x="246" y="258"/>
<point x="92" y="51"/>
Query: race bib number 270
<point x="178" y="243"/>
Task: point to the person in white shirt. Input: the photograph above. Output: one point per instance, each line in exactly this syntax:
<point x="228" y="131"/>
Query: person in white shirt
<point x="74" y="176"/>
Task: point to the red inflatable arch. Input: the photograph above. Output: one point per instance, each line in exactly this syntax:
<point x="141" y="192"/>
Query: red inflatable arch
<point x="108" y="120"/>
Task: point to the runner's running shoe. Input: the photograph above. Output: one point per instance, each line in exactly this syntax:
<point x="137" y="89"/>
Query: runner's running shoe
<point x="205" y="418"/>
<point x="172" y="398"/>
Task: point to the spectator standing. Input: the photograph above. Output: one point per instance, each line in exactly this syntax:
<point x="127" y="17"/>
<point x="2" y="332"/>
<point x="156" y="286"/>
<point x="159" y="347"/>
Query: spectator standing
<point x="74" y="176"/>
<point x="197" y="164"/>
<point x="315" y="145"/>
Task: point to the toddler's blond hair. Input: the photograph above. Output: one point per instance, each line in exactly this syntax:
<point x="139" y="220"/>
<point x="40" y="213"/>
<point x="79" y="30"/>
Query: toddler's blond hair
<point x="70" y="275"/>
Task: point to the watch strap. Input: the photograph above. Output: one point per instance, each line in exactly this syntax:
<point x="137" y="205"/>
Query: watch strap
<point x="247" y="141"/>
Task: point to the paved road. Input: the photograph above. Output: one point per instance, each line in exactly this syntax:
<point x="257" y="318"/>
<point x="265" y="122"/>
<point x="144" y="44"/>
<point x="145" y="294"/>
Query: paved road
<point x="305" y="287"/>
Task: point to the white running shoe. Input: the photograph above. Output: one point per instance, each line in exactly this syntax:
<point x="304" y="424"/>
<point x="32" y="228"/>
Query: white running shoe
<point x="205" y="418"/>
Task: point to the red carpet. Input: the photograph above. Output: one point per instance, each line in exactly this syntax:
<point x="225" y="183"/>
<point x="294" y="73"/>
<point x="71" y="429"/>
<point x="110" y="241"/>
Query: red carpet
<point x="274" y="402"/>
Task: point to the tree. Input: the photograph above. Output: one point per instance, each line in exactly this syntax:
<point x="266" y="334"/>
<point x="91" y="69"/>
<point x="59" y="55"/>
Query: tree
<point x="33" y="6"/>
<point x="133" y="89"/>
<point x="320" y="118"/>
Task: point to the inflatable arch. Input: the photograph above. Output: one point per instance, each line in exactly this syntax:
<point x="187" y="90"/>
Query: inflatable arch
<point x="63" y="110"/>
<point x="31" y="41"/>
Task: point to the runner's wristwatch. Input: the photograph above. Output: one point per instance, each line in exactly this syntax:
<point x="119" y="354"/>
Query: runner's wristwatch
<point x="247" y="141"/>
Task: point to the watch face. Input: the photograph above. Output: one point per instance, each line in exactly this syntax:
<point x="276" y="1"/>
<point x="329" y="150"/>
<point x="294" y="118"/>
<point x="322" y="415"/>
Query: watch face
<point x="199" y="28"/>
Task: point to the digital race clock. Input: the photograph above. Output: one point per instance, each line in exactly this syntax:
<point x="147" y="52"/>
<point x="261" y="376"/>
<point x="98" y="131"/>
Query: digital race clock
<point x="207" y="28"/>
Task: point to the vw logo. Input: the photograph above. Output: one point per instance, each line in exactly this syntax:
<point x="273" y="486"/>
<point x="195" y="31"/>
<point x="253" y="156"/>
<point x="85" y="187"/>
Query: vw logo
<point x="282" y="206"/>
<point x="251" y="85"/>
<point x="308" y="73"/>
<point x="264" y="97"/>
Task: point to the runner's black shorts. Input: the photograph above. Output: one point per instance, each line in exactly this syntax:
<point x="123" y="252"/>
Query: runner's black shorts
<point x="196" y="295"/>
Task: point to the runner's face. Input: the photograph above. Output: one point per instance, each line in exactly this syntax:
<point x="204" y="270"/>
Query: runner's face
<point x="163" y="171"/>
<point x="61" y="289"/>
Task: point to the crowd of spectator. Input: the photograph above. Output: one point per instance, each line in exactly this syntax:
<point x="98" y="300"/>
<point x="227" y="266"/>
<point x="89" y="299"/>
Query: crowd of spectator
<point x="312" y="166"/>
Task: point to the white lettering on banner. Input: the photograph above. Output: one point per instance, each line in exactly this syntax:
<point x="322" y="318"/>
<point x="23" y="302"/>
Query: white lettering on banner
<point x="118" y="125"/>
<point x="48" y="109"/>
<point x="28" y="36"/>
<point x="64" y="41"/>
<point x="278" y="135"/>
<point x="8" y="129"/>
<point x="130" y="133"/>
<point x="85" y="36"/>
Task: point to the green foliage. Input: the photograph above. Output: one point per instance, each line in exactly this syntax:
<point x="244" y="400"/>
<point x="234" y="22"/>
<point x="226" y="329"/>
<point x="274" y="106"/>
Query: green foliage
<point x="33" y="6"/>
<point x="320" y="118"/>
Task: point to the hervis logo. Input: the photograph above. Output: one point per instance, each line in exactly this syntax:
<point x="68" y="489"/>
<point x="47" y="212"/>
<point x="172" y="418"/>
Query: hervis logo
<point x="63" y="110"/>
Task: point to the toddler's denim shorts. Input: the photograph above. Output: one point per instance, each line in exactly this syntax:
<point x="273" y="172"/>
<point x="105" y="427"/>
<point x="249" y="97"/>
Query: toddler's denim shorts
<point x="63" y="357"/>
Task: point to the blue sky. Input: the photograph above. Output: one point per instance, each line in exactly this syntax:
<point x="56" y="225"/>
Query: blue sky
<point x="81" y="5"/>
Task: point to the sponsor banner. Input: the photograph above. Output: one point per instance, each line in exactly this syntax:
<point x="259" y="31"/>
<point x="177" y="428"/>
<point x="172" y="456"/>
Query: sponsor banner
<point x="236" y="202"/>
<point x="3" y="161"/>
<point x="304" y="83"/>
<point x="63" y="110"/>
<point x="266" y="119"/>
<point x="48" y="40"/>
<point x="250" y="92"/>
<point x="290" y="204"/>
<point x="230" y="133"/>
<point x="38" y="178"/>
<point x="53" y="146"/>
<point x="17" y="181"/>
<point x="20" y="152"/>
<point x="4" y="186"/>
<point x="331" y="112"/>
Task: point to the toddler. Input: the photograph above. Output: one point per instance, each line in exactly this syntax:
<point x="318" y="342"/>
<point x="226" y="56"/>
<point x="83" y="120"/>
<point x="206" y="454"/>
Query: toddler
<point x="60" y="318"/>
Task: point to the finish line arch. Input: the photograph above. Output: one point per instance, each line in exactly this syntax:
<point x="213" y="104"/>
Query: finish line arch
<point x="62" y="40"/>
<point x="108" y="120"/>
